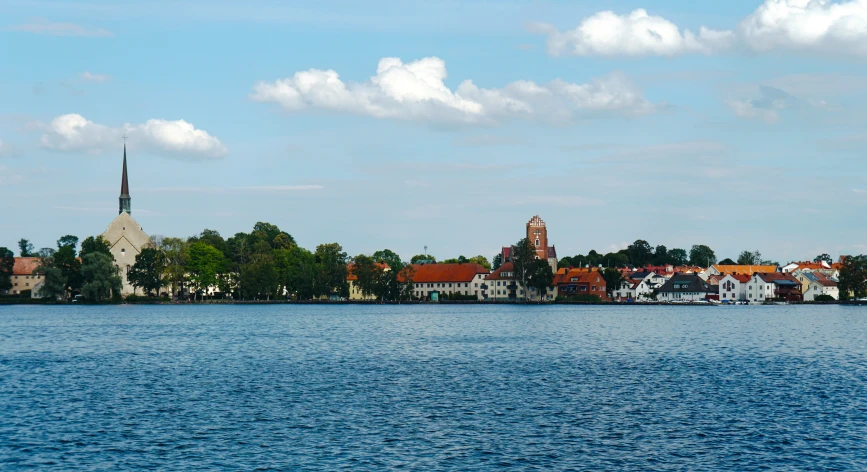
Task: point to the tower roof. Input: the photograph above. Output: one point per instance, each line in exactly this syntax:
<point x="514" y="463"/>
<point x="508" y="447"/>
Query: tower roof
<point x="124" y="184"/>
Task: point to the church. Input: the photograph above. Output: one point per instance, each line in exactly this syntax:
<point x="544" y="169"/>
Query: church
<point x="125" y="236"/>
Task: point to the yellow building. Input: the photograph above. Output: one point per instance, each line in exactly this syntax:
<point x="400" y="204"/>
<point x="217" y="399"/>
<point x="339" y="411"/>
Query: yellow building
<point x="24" y="276"/>
<point x="352" y="279"/>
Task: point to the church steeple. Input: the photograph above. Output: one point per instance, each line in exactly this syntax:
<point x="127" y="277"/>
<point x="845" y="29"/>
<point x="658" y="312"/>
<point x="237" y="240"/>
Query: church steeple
<point x="125" y="200"/>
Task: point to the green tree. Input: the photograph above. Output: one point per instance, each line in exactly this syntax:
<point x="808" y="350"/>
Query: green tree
<point x="66" y="259"/>
<point x="640" y="253"/>
<point x="613" y="279"/>
<point x="25" y="249"/>
<point x="389" y="257"/>
<point x="421" y="258"/>
<point x="701" y="255"/>
<point x="260" y="277"/>
<point x="678" y="256"/>
<point x="727" y="261"/>
<point x="92" y="245"/>
<point x="497" y="261"/>
<point x="481" y="260"/>
<point x="54" y="284"/>
<point x="660" y="255"/>
<point x="204" y="264"/>
<point x="100" y="278"/>
<point x="615" y="259"/>
<point x="147" y="272"/>
<point x="7" y="264"/>
<point x="332" y="270"/>
<point x="540" y="277"/>
<point x="823" y="258"/>
<point x="853" y="277"/>
<point x="367" y="274"/>
<point x="750" y="258"/>
<point x="176" y="256"/>
<point x="523" y="255"/>
<point x="301" y="271"/>
<point x="211" y="237"/>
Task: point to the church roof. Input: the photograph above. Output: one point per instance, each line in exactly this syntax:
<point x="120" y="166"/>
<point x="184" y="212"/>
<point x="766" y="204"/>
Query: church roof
<point x="124" y="183"/>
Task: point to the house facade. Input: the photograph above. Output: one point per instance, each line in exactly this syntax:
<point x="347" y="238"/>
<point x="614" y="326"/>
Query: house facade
<point x="686" y="288"/>
<point x="25" y="277"/>
<point x="432" y="281"/>
<point x="733" y="288"/>
<point x="580" y="282"/>
<point x="773" y="286"/>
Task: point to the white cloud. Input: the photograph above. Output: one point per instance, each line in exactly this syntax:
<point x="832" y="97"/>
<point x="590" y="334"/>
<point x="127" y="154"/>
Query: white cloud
<point x="177" y="139"/>
<point x="748" y="109"/>
<point x="797" y="25"/>
<point x="636" y="34"/>
<point x="416" y="91"/>
<point x="42" y="26"/>
<point x="807" y="24"/>
<point x="98" y="78"/>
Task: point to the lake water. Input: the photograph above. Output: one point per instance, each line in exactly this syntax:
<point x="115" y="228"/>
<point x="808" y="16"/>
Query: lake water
<point x="433" y="388"/>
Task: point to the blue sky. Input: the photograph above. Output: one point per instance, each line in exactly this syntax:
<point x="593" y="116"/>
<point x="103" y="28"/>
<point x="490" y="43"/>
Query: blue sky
<point x="449" y="124"/>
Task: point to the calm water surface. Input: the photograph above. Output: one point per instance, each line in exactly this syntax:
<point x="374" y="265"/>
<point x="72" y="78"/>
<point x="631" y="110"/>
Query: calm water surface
<point x="433" y="388"/>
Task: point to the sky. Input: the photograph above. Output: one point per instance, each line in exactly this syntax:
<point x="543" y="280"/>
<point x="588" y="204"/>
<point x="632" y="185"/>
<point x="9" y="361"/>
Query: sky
<point x="446" y="124"/>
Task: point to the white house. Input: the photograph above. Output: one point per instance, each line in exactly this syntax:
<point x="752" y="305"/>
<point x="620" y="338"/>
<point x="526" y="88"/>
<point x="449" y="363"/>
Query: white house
<point x="685" y="288"/>
<point x="816" y="283"/>
<point x="733" y="287"/>
<point x="632" y="289"/>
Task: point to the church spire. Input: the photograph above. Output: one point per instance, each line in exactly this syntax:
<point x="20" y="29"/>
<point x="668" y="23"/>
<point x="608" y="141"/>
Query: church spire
<point x="125" y="200"/>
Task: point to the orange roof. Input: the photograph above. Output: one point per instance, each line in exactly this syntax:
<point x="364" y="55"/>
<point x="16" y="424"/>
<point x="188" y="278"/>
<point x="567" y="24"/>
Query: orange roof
<point x="742" y="278"/>
<point x="25" y="265"/>
<point x="427" y="273"/>
<point x="351" y="277"/>
<point x="744" y="269"/>
<point x="583" y="276"/>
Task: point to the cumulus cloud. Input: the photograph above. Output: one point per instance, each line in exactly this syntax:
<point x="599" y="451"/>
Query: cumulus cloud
<point x="416" y="91"/>
<point x="98" y="78"/>
<point x="636" y="34"/>
<point x="177" y="139"/>
<point x="42" y="26"/>
<point x="797" y="25"/>
<point x="807" y="24"/>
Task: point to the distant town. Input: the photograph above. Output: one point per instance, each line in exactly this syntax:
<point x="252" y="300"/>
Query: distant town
<point x="123" y="263"/>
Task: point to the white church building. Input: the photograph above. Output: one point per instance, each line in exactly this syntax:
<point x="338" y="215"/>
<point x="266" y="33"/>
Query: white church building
<point x="125" y="236"/>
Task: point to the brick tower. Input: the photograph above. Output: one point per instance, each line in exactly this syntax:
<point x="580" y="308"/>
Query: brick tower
<point x="537" y="233"/>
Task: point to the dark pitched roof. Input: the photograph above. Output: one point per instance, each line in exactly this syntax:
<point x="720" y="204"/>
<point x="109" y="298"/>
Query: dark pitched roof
<point x="498" y="274"/>
<point x="687" y="283"/>
<point x="124" y="183"/>
<point x="552" y="252"/>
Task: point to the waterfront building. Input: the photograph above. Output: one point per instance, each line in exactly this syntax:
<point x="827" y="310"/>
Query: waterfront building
<point x="124" y="235"/>
<point x="773" y="286"/>
<point x="355" y="293"/>
<point x="537" y="234"/>
<point x="815" y="283"/>
<point x="574" y="282"/>
<point x="25" y="277"/>
<point x="733" y="287"/>
<point x="433" y="281"/>
<point x="632" y="289"/>
<point x="686" y="288"/>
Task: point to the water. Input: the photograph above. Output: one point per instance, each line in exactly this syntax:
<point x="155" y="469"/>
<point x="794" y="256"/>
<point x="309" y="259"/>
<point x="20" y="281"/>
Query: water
<point x="433" y="388"/>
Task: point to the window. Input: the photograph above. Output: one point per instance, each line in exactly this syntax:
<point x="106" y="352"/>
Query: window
<point x="537" y="243"/>
<point x="583" y="288"/>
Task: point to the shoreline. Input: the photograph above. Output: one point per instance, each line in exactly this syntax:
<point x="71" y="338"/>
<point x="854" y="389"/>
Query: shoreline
<point x="373" y="303"/>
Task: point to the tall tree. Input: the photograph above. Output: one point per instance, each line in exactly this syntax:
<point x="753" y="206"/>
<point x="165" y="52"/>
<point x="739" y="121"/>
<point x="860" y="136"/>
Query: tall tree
<point x="701" y="255"/>
<point x="678" y="256"/>
<point x="301" y="272"/>
<point x="7" y="265"/>
<point x="100" y="278"/>
<point x="260" y="278"/>
<point x="210" y="236"/>
<point x="727" y="261"/>
<point x="853" y="277"/>
<point x="613" y="279"/>
<point x="25" y="249"/>
<point x="332" y="269"/>
<point x="92" y="245"/>
<point x="640" y="252"/>
<point x="660" y="255"/>
<point x="497" y="261"/>
<point x="367" y="274"/>
<point x="523" y="255"/>
<point x="750" y="258"/>
<point x="176" y="256"/>
<point x="147" y="272"/>
<point x="541" y="277"/>
<point x="66" y="259"/>
<point x="204" y="265"/>
<point x="54" y="283"/>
